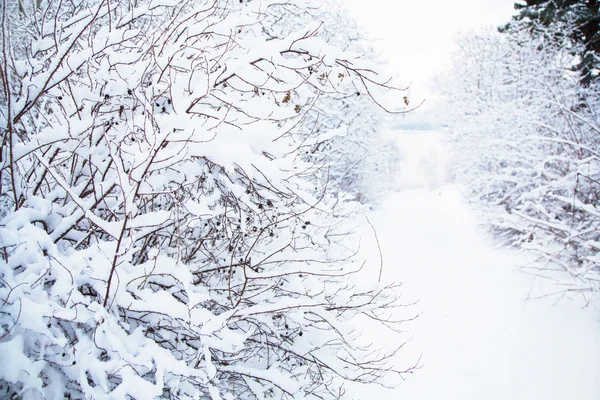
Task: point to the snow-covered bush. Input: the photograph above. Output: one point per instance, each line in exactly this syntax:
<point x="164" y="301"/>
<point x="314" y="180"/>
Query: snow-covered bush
<point x="526" y="142"/>
<point x="162" y="233"/>
<point x="358" y="157"/>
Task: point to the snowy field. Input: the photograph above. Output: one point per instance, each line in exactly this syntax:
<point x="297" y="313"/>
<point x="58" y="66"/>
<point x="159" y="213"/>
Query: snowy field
<point x="479" y="336"/>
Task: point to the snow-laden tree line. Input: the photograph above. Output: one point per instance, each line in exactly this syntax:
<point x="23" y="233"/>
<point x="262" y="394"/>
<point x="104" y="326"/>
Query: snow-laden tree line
<point x="172" y="221"/>
<point x="522" y="104"/>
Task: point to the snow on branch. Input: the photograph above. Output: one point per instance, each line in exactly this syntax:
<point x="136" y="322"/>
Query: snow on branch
<point x="165" y="230"/>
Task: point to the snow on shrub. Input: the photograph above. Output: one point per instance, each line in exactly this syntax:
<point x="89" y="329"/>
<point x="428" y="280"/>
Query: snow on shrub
<point x="356" y="157"/>
<point x="162" y="235"/>
<point x="526" y="138"/>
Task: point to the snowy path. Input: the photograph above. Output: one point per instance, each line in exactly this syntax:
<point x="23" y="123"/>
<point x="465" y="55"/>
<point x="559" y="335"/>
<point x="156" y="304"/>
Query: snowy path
<point x="479" y="338"/>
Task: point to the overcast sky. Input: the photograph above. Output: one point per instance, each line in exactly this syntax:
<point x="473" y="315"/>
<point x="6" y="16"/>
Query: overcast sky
<point x="416" y="35"/>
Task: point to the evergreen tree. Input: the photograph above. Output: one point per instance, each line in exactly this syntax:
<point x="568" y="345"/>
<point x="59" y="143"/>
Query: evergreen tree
<point x="582" y="17"/>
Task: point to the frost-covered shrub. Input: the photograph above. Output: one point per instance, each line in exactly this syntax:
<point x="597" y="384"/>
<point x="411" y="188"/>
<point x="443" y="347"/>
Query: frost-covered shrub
<point x="162" y="235"/>
<point x="526" y="141"/>
<point x="357" y="159"/>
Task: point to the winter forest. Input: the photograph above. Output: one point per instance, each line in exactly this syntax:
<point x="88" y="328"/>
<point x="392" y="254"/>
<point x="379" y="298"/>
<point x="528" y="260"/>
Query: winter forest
<point x="240" y="199"/>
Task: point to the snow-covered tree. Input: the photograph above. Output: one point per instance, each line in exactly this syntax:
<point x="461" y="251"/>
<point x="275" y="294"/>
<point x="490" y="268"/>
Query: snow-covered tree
<point x="583" y="17"/>
<point x="525" y="133"/>
<point x="162" y="233"/>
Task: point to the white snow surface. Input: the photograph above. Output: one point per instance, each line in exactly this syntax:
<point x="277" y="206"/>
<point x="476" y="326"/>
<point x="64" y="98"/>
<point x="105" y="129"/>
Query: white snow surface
<point x="486" y="330"/>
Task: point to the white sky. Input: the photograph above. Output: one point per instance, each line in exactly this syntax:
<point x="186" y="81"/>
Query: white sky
<point x="416" y="36"/>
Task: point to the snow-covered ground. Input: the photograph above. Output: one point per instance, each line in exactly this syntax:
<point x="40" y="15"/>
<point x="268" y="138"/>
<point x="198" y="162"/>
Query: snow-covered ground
<point x="479" y="336"/>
